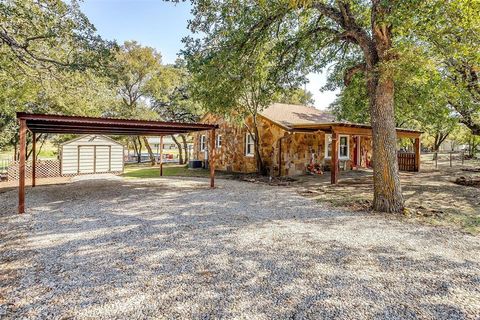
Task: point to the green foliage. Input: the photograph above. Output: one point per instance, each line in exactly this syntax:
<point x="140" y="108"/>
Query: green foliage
<point x="171" y="96"/>
<point x="133" y="69"/>
<point x="294" y="96"/>
<point x="49" y="35"/>
<point x="51" y="61"/>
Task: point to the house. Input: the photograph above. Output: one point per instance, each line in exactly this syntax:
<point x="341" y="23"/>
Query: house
<point x="91" y="154"/>
<point x="293" y="139"/>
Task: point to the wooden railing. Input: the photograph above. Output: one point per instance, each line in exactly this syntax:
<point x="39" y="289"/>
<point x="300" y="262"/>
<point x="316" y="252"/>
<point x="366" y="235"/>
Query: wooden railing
<point x="406" y="161"/>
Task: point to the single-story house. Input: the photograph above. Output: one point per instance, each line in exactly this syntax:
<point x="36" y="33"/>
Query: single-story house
<point x="294" y="138"/>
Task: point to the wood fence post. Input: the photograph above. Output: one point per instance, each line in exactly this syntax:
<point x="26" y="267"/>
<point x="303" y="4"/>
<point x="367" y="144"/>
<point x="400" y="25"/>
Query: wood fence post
<point x="417" y="154"/>
<point x="34" y="158"/>
<point x="436" y="160"/>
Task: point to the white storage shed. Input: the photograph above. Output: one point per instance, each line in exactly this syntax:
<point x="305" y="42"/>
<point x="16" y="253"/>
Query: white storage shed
<point x="91" y="154"/>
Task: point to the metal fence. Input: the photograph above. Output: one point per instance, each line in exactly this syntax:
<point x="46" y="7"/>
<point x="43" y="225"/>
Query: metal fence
<point x="444" y="159"/>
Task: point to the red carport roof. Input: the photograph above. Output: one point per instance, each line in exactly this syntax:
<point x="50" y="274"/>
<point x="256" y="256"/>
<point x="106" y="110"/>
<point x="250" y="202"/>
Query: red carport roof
<point x="47" y="123"/>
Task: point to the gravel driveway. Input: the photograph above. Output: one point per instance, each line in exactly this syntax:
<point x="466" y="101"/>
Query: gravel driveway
<point x="166" y="248"/>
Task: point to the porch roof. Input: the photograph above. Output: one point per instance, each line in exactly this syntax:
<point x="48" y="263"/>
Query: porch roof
<point x="349" y="128"/>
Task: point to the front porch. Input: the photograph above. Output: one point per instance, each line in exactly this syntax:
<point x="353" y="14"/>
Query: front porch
<point x="334" y="147"/>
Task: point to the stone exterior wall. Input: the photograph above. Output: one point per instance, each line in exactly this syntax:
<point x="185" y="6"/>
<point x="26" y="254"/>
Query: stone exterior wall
<point x="297" y="149"/>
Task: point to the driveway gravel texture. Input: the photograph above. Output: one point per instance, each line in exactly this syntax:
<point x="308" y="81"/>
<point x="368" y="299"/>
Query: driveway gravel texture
<point x="176" y="249"/>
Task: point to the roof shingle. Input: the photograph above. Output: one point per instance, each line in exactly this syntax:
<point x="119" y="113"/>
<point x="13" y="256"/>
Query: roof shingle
<point x="294" y="114"/>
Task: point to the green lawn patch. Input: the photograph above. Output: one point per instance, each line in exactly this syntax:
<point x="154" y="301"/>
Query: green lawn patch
<point x="168" y="170"/>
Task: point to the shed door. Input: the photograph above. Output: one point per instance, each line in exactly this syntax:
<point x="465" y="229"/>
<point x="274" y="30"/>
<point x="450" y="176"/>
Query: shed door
<point x="103" y="159"/>
<point x="86" y="162"/>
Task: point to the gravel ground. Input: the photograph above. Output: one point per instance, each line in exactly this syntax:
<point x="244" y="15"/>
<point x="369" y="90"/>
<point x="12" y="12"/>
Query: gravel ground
<point x="165" y="248"/>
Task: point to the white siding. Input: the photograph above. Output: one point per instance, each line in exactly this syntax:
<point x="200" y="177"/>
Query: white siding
<point x="86" y="159"/>
<point x="90" y="154"/>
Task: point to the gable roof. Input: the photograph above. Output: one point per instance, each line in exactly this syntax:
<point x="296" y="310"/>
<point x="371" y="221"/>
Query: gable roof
<point x="294" y="114"/>
<point x="91" y="136"/>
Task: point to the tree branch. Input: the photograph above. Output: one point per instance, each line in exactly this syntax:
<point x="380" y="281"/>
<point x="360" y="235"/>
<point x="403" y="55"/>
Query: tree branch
<point x="350" y="72"/>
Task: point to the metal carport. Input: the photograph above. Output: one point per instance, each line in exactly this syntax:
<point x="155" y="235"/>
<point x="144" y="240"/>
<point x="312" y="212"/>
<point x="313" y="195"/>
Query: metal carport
<point x="45" y="123"/>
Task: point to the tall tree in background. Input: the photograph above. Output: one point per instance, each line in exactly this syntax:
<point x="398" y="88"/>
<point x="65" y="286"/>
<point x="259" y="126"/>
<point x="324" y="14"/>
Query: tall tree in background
<point x="51" y="60"/>
<point x="452" y="39"/>
<point x="135" y="66"/>
<point x="233" y="85"/>
<point x="295" y="96"/>
<point x="171" y="98"/>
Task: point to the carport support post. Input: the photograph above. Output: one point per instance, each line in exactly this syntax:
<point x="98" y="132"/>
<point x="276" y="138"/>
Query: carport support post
<point x="161" y="156"/>
<point x="417" y="154"/>
<point x="34" y="157"/>
<point x="21" y="168"/>
<point x="334" y="164"/>
<point x="212" y="158"/>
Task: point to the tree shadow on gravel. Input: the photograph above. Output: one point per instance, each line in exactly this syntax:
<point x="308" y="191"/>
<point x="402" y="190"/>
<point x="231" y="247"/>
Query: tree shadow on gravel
<point x="153" y="249"/>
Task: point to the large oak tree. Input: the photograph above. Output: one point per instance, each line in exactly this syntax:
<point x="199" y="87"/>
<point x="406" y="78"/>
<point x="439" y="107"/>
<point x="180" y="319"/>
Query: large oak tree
<point x="308" y="35"/>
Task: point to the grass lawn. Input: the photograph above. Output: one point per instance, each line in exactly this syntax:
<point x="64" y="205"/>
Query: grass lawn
<point x="147" y="171"/>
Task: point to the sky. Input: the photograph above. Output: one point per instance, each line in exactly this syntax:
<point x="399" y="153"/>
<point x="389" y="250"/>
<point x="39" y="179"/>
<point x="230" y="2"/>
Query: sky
<point x="162" y="25"/>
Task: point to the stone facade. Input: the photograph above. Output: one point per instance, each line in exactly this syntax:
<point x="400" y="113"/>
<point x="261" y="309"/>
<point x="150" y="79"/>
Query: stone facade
<point x="284" y="153"/>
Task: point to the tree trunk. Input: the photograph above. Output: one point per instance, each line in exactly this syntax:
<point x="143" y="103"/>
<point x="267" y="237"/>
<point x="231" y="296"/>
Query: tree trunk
<point x="137" y="148"/>
<point x="180" y="153"/>
<point x="258" y="157"/>
<point x="185" y="147"/>
<point x="386" y="180"/>
<point x="150" y="152"/>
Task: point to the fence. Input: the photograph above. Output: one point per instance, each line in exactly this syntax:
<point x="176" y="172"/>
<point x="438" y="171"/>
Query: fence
<point x="44" y="169"/>
<point x="406" y="161"/>
<point x="444" y="159"/>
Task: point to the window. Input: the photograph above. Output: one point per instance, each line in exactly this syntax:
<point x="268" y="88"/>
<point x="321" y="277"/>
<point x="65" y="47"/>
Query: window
<point x="203" y="142"/>
<point x="219" y="141"/>
<point x="249" y="145"/>
<point x="343" y="147"/>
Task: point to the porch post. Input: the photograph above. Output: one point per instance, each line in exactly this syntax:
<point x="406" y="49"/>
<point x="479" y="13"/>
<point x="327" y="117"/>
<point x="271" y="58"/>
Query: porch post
<point x="212" y="158"/>
<point x="417" y="154"/>
<point x="359" y="153"/>
<point x="34" y="157"/>
<point x="334" y="164"/>
<point x="161" y="156"/>
<point x="21" y="167"/>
